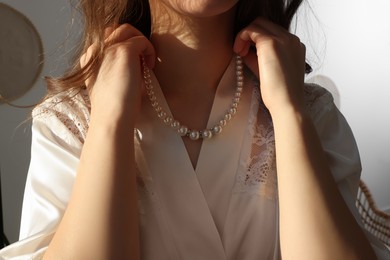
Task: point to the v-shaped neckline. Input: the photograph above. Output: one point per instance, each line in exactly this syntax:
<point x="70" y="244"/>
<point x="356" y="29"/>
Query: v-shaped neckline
<point x="221" y="102"/>
<point x="203" y="192"/>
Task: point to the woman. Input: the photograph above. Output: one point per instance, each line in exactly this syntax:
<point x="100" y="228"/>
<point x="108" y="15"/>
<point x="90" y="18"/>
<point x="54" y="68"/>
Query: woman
<point x="197" y="180"/>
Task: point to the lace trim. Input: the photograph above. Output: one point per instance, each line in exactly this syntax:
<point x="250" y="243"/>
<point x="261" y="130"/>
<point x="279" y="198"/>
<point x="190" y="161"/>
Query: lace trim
<point x="71" y="109"/>
<point x="257" y="171"/>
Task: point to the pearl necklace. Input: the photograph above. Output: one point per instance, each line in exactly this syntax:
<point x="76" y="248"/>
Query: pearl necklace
<point x="183" y="130"/>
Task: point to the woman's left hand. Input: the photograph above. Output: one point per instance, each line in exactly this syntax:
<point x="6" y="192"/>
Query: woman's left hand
<point x="279" y="62"/>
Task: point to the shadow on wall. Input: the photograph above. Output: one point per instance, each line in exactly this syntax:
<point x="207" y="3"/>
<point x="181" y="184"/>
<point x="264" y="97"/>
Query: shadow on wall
<point x="329" y="84"/>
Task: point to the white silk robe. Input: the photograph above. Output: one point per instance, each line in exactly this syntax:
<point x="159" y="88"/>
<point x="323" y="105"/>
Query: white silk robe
<point x="225" y="208"/>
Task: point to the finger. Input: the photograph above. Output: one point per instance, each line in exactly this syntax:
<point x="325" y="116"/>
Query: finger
<point x="273" y="28"/>
<point x="281" y="33"/>
<point x="241" y="47"/>
<point x="115" y="35"/>
<point x="250" y="61"/>
<point x="142" y="45"/>
<point x="134" y="48"/>
<point x="127" y="32"/>
<point x="122" y="33"/>
<point x="86" y="57"/>
<point x="109" y="30"/>
<point x="252" y="34"/>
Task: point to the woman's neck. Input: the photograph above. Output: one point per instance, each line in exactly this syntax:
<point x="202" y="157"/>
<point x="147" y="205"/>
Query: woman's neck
<point x="192" y="52"/>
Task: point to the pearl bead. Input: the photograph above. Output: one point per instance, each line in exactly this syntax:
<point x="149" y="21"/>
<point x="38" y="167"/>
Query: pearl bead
<point x="162" y="114"/>
<point x="194" y="135"/>
<point x="175" y="125"/>
<point x="206" y="134"/>
<point x="148" y="81"/>
<point x="217" y="129"/>
<point x="168" y="120"/>
<point x="232" y="111"/>
<point x="228" y="117"/>
<point x="183" y="130"/>
<point x="222" y="122"/>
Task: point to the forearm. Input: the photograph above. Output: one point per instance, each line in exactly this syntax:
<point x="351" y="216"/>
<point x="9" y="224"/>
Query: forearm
<point x="101" y="220"/>
<point x="315" y="222"/>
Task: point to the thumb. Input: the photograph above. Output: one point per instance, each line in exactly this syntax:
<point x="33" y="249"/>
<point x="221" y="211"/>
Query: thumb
<point x="250" y="61"/>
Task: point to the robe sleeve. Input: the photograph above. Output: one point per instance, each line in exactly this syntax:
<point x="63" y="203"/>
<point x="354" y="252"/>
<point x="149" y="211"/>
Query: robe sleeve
<point x="55" y="152"/>
<point x="342" y="153"/>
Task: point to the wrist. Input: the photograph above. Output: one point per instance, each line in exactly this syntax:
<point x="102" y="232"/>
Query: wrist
<point x="287" y="109"/>
<point x="112" y="121"/>
<point x="289" y="116"/>
<point x="283" y="98"/>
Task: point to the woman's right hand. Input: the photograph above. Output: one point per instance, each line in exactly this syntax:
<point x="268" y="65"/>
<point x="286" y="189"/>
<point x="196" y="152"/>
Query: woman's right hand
<point x="115" y="89"/>
<point x="102" y="209"/>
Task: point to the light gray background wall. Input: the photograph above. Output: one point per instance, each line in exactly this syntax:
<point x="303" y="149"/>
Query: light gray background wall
<point x="356" y="57"/>
<point x="351" y="39"/>
<point x="51" y="18"/>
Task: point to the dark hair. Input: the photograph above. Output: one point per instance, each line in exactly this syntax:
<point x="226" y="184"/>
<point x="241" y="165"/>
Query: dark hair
<point x="100" y="14"/>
